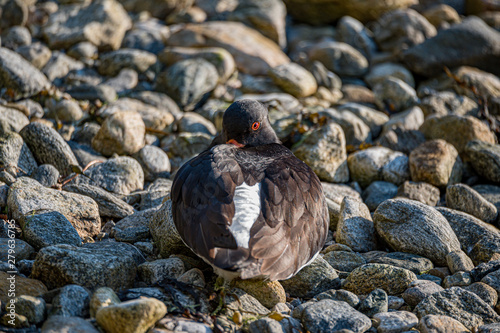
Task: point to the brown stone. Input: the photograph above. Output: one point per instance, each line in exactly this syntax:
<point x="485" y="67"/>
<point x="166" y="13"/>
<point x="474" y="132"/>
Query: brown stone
<point x="436" y="162"/>
<point x="268" y="293"/>
<point x="457" y="130"/>
<point x="441" y="324"/>
<point x="440" y="15"/>
<point x="253" y="53"/>
<point x="321" y="12"/>
<point x="121" y="133"/>
<point x="23" y="286"/>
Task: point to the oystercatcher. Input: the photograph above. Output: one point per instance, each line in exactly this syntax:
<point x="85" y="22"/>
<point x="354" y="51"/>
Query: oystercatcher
<point x="247" y="205"/>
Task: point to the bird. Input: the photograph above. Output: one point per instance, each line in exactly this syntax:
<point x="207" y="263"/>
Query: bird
<point x="246" y="205"/>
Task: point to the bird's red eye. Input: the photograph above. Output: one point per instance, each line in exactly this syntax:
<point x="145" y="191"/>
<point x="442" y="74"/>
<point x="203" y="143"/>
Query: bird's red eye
<point x="255" y="126"/>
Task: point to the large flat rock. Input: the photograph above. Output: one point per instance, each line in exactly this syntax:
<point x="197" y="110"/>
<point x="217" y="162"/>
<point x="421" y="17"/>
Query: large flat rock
<point x="27" y="197"/>
<point x="471" y="43"/>
<point x="93" y="265"/>
<point x="253" y="53"/>
<point x="20" y="76"/>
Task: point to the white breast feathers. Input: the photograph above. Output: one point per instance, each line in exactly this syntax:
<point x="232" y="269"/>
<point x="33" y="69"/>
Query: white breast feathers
<point x="247" y="209"/>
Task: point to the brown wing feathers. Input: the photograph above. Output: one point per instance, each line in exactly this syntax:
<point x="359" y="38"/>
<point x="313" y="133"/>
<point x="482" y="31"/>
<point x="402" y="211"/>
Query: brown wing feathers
<point x="287" y="233"/>
<point x="202" y="203"/>
<point x="293" y="226"/>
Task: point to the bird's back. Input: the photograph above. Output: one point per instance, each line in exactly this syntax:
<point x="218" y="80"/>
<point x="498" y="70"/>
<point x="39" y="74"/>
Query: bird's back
<point x="256" y="211"/>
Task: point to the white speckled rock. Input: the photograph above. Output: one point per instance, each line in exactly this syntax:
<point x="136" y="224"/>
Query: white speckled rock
<point x="344" y="261"/>
<point x="394" y="322"/>
<point x="48" y="228"/>
<point x="267" y="17"/>
<point x="14" y="153"/>
<point x="371" y="117"/>
<point x="13" y="118"/>
<point x="37" y="54"/>
<point x="59" y="65"/>
<point x="399" y="220"/>
<point x="340" y="295"/>
<point x="355" y="129"/>
<point x="313" y="279"/>
<point x="66" y="110"/>
<point x="154" y="271"/>
<point x="249" y="305"/>
<point x="324" y="151"/>
<point x="400" y="29"/>
<point x="164" y="232"/>
<point x="447" y="102"/>
<point x="27" y="196"/>
<point x="479" y="240"/>
<point x="355" y="228"/>
<point x="194" y="277"/>
<point x="486" y="292"/>
<point x="460" y="304"/>
<point x="49" y="147"/>
<point x="47" y="175"/>
<point x="93" y="265"/>
<point x="193" y="122"/>
<point x="378" y="163"/>
<point x="375" y="302"/>
<point x="120" y="175"/>
<point x="109" y="204"/>
<point x="351" y="31"/>
<point x="485" y="158"/>
<point x="154" y="161"/>
<point x="459" y="279"/>
<point x="418" y="290"/>
<point x="377" y="192"/>
<point x="458" y="261"/>
<point x="446" y="49"/>
<point x="72" y="300"/>
<point x="464" y="198"/>
<point x="329" y="316"/>
<point x="409" y="119"/>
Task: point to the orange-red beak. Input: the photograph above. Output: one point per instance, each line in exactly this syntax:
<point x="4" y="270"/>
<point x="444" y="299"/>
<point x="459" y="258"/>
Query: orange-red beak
<point x="236" y="143"/>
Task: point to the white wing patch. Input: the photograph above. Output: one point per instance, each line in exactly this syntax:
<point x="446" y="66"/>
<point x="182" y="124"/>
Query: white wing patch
<point x="247" y="209"/>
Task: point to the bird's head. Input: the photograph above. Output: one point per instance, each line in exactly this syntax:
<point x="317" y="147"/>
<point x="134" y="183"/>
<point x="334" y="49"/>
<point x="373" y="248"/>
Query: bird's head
<point x="246" y="124"/>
